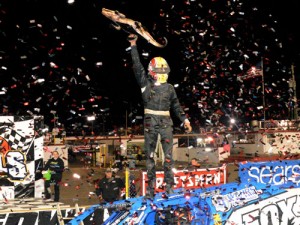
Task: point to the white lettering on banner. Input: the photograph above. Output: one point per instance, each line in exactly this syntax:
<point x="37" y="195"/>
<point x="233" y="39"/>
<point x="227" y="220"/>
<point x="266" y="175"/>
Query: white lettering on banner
<point x="282" y="209"/>
<point x="29" y="218"/>
<point x="159" y="181"/>
<point x="41" y="217"/>
<point x="190" y="179"/>
<point x="246" y="194"/>
<point x="198" y="180"/>
<point x="123" y="216"/>
<point x="3" y="218"/>
<point x="275" y="175"/>
<point x="224" y="203"/>
<point x="14" y="164"/>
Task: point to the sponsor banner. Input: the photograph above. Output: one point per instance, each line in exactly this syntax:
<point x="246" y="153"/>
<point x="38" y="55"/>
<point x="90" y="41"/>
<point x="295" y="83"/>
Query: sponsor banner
<point x="222" y="202"/>
<point x="49" y="217"/>
<point x="81" y="148"/>
<point x="21" y="156"/>
<point x="196" y="178"/>
<point x="281" y="209"/>
<point x="227" y="204"/>
<point x="283" y="173"/>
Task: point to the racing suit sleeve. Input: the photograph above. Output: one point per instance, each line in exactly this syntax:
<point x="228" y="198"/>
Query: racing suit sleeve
<point x="138" y="69"/>
<point x="175" y="105"/>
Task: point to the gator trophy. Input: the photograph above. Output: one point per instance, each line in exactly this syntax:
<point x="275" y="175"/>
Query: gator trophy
<point x="130" y="26"/>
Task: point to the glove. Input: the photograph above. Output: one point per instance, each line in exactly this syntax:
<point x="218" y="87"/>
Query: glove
<point x="101" y="200"/>
<point x="187" y="126"/>
<point x="132" y="38"/>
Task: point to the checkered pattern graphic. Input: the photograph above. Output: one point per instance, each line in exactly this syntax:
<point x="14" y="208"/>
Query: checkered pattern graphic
<point x="16" y="140"/>
<point x="21" y="136"/>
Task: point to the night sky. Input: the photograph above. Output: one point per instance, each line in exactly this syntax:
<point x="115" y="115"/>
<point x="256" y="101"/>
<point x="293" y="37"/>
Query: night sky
<point x="65" y="61"/>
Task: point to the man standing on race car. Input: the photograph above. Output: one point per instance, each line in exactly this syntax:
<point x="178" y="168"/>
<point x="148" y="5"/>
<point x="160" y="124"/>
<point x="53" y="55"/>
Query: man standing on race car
<point x="159" y="97"/>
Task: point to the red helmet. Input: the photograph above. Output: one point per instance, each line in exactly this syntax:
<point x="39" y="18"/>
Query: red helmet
<point x="158" y="65"/>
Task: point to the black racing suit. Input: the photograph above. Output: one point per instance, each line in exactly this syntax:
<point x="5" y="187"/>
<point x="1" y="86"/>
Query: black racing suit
<point x="158" y="101"/>
<point x="110" y="189"/>
<point x="57" y="167"/>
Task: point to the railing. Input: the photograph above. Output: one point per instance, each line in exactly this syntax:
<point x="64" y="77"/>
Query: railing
<point x="280" y="124"/>
<point x="254" y="126"/>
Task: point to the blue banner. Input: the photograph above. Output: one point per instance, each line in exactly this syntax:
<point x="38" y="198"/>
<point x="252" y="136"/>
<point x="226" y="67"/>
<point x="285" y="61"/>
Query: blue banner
<point x="283" y="173"/>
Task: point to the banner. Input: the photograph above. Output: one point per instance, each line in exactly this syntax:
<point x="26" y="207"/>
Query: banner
<point x="281" y="209"/>
<point x="196" y="178"/>
<point x="21" y="144"/>
<point x="283" y="173"/>
<point x="227" y="204"/>
<point x="252" y="203"/>
<point x="48" y="217"/>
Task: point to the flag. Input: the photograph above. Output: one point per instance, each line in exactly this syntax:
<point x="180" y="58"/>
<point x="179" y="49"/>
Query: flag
<point x="17" y="141"/>
<point x="254" y="71"/>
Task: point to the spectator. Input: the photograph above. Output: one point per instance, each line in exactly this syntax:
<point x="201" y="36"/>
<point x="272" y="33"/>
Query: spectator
<point x="109" y="188"/>
<point x="195" y="163"/>
<point x="119" y="159"/>
<point x="55" y="166"/>
<point x="5" y="111"/>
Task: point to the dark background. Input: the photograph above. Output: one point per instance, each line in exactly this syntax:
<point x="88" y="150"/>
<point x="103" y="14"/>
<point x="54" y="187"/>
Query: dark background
<point x="86" y="68"/>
